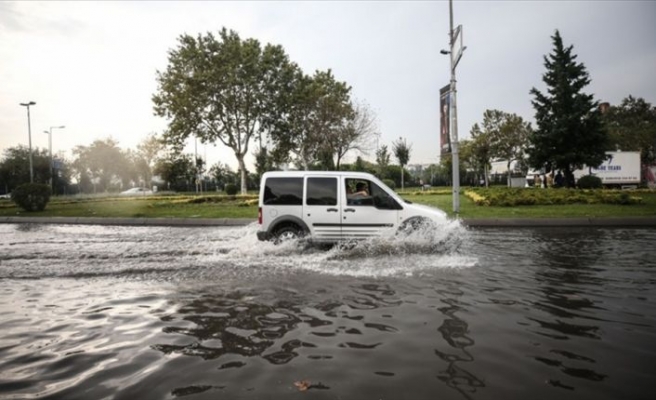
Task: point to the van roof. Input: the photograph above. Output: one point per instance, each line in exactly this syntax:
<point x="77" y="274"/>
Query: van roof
<point x="287" y="174"/>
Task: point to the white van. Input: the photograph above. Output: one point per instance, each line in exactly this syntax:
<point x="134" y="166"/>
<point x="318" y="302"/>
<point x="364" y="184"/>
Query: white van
<point x="334" y="206"/>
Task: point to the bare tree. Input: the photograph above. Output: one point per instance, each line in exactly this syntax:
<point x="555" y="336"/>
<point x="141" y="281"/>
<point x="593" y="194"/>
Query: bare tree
<point x="357" y="133"/>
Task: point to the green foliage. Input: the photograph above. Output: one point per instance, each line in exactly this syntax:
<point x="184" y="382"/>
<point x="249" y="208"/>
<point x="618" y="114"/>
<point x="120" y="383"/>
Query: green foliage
<point x="15" y="167"/>
<point x="231" y="189"/>
<point x="317" y="121"/>
<point x="508" y="136"/>
<point x="632" y="127"/>
<point x="31" y="196"/>
<point x="382" y="160"/>
<point x="247" y="198"/>
<point x="102" y="161"/>
<point x="389" y="183"/>
<point x="401" y="151"/>
<point x="177" y="171"/>
<point x="223" y="89"/>
<point x="477" y="153"/>
<point x="590" y="182"/>
<point x="569" y="131"/>
<point x="514" y="197"/>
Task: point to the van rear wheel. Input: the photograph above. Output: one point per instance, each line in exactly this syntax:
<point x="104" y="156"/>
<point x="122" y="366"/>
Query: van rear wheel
<point x="287" y="233"/>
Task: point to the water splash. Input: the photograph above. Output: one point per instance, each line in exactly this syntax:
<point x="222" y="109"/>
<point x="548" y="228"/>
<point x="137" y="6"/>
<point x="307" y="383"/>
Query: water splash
<point x="429" y="248"/>
<point x="175" y="254"/>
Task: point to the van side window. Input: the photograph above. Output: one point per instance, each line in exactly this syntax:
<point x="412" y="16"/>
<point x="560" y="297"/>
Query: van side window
<point x="283" y="191"/>
<point x="321" y="192"/>
<point x="358" y="193"/>
<point x="382" y="200"/>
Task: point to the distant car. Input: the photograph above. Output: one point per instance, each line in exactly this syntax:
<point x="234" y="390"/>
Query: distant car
<point x="136" y="192"/>
<point x="5" y="196"/>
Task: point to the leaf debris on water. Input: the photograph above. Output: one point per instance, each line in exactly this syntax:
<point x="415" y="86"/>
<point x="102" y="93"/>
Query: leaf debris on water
<point x="303" y="385"/>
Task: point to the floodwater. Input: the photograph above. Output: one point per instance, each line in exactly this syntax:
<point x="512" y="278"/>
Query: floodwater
<point x="93" y="312"/>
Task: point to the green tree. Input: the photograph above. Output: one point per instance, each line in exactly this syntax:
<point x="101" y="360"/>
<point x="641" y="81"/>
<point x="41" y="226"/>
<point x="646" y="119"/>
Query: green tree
<point x="382" y="161"/>
<point x="401" y="151"/>
<point x="569" y="130"/>
<point x="481" y="151"/>
<point x="177" y="171"/>
<point x="222" y="174"/>
<point x="508" y="136"/>
<point x="224" y="89"/>
<point x="103" y="161"/>
<point x="632" y="127"/>
<point x="309" y="127"/>
<point x="149" y="150"/>
<point x="15" y="167"/>
<point x="263" y="161"/>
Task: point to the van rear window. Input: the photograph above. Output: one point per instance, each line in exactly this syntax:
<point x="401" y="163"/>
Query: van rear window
<point x="283" y="191"/>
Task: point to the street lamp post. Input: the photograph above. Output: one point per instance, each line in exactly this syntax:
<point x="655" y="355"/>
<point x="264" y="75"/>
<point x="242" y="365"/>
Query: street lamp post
<point x="455" y="53"/>
<point x="29" y="133"/>
<point x="454" y="120"/>
<point x="49" y="132"/>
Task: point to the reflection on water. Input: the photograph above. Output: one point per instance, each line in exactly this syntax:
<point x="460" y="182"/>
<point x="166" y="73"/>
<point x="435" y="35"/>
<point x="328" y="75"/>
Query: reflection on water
<point x="455" y="332"/>
<point x="125" y="313"/>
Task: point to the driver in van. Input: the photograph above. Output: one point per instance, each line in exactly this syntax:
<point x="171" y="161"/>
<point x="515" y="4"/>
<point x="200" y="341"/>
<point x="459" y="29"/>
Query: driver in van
<point x="360" y="189"/>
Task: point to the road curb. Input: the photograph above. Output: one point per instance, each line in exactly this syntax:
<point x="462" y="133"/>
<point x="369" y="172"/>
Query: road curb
<point x="560" y="222"/>
<point x="128" y="221"/>
<point x="649" y="222"/>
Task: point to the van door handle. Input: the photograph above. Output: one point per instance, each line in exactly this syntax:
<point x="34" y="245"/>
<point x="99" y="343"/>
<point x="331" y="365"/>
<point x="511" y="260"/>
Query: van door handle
<point x="349" y="210"/>
<point x="332" y="210"/>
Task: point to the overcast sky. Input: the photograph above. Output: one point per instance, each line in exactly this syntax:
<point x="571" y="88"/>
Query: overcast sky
<point x="91" y="65"/>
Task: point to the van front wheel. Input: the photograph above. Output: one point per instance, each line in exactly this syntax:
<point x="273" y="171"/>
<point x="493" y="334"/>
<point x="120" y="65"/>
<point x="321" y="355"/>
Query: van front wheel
<point x="287" y="233"/>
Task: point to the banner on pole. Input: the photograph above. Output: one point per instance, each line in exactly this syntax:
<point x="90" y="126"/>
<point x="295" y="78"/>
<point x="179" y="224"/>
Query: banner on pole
<point x="445" y="119"/>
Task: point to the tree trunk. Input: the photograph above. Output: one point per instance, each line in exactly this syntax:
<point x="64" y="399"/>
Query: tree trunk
<point x="402" y="184"/>
<point x="487" y="182"/>
<point x="244" y="176"/>
<point x="508" y="167"/>
<point x="569" y="178"/>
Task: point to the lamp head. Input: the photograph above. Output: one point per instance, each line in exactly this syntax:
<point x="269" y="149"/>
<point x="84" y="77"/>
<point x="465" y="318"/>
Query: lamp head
<point x="444" y="51"/>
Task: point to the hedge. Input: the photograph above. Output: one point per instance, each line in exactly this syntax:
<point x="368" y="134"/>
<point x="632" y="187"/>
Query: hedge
<point x="511" y="197"/>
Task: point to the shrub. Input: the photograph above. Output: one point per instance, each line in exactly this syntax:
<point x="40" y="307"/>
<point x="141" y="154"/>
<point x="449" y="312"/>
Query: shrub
<point x="231" y="189"/>
<point x="31" y="196"/>
<point x="389" y="183"/>
<point x="590" y="182"/>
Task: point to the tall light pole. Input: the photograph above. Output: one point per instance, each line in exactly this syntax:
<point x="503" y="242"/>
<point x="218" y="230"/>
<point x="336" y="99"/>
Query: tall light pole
<point x="49" y="132"/>
<point x="455" y="53"/>
<point x="29" y="132"/>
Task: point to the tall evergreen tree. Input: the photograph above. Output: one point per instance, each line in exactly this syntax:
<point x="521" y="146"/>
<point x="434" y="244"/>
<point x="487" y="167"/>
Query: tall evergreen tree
<point x="569" y="131"/>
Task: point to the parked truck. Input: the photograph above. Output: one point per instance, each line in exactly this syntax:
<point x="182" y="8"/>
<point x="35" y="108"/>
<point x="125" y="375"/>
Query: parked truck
<point x="621" y="169"/>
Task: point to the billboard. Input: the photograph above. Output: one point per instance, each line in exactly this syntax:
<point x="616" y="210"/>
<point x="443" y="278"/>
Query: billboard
<point x="445" y="119"/>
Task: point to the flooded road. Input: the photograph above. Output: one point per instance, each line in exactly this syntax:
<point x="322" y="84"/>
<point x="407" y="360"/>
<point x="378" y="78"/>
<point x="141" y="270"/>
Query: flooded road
<point x="92" y="312"/>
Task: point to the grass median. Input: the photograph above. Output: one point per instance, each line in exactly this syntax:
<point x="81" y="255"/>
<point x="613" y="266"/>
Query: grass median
<point x="221" y="206"/>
